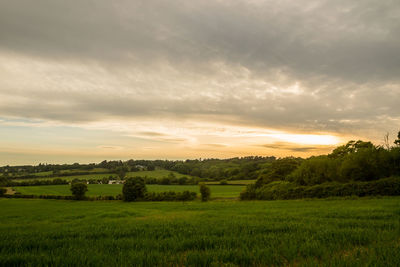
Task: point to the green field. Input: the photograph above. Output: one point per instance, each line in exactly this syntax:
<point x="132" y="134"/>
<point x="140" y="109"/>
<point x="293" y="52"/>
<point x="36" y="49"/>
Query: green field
<point x="219" y="191"/>
<point x="158" y="174"/>
<point x="360" y="232"/>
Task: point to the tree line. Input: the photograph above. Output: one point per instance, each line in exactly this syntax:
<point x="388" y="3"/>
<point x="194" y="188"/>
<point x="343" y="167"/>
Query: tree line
<point x="356" y="168"/>
<point x="214" y="169"/>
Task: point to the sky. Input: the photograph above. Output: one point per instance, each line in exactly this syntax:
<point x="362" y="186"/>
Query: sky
<point x="88" y="80"/>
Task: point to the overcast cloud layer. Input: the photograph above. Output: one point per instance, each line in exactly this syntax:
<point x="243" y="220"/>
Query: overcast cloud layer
<point x="297" y="66"/>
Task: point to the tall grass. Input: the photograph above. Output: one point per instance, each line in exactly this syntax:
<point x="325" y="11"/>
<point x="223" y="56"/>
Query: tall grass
<point x="360" y="232"/>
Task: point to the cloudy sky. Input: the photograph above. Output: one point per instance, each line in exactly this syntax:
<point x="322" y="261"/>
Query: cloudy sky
<point x="87" y="80"/>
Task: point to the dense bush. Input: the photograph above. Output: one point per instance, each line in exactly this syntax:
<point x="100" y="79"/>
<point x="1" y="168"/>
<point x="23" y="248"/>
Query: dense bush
<point x="133" y="189"/>
<point x="288" y="190"/>
<point x="205" y="192"/>
<point x="78" y="190"/>
<point x="2" y="191"/>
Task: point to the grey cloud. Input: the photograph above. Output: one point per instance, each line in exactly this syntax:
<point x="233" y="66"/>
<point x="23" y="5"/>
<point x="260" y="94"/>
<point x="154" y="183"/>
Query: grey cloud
<point x="356" y="41"/>
<point x="344" y="55"/>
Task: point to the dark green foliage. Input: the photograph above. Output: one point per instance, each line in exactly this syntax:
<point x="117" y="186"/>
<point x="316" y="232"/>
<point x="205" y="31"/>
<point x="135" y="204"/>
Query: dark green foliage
<point x="314" y="170"/>
<point x="286" y="190"/>
<point x="171" y="180"/>
<point x="278" y="170"/>
<point x="78" y="190"/>
<point x="165" y="181"/>
<point x="220" y="169"/>
<point x="133" y="189"/>
<point x="355" y="161"/>
<point x="223" y="182"/>
<point x="121" y="171"/>
<point x="205" y="192"/>
<point x="249" y="192"/>
<point x="2" y="191"/>
<point x="105" y="180"/>
<point x="4" y="181"/>
<point x="397" y="141"/>
<point x="183" y="180"/>
<point x="35" y="182"/>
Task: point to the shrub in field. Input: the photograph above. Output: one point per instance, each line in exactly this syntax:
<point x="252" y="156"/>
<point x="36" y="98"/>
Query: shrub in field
<point x="78" y="190"/>
<point x="223" y="182"/>
<point x="2" y="191"/>
<point x="205" y="192"/>
<point x="133" y="189"/>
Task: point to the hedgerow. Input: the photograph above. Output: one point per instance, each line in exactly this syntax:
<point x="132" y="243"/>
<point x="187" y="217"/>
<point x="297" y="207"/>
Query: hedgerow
<point x="287" y="190"/>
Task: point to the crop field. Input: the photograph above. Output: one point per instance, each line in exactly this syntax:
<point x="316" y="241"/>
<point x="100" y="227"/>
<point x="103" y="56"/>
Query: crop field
<point x="158" y="174"/>
<point x="219" y="191"/>
<point x="359" y="232"/>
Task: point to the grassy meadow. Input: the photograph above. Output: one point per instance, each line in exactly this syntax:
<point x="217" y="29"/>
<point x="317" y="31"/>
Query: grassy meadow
<point x="217" y="191"/>
<point x="358" y="232"/>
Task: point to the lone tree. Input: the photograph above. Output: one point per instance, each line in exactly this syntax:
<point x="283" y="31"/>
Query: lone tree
<point x="205" y="192"/>
<point x="133" y="189"/>
<point x="79" y="190"/>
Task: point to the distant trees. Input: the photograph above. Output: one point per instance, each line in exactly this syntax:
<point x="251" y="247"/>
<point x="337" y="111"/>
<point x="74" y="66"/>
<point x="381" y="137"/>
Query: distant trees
<point x="278" y="170"/>
<point x="78" y="190"/>
<point x="151" y="167"/>
<point x="121" y="171"/>
<point x="205" y="192"/>
<point x="133" y="189"/>
<point x="3" y="181"/>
